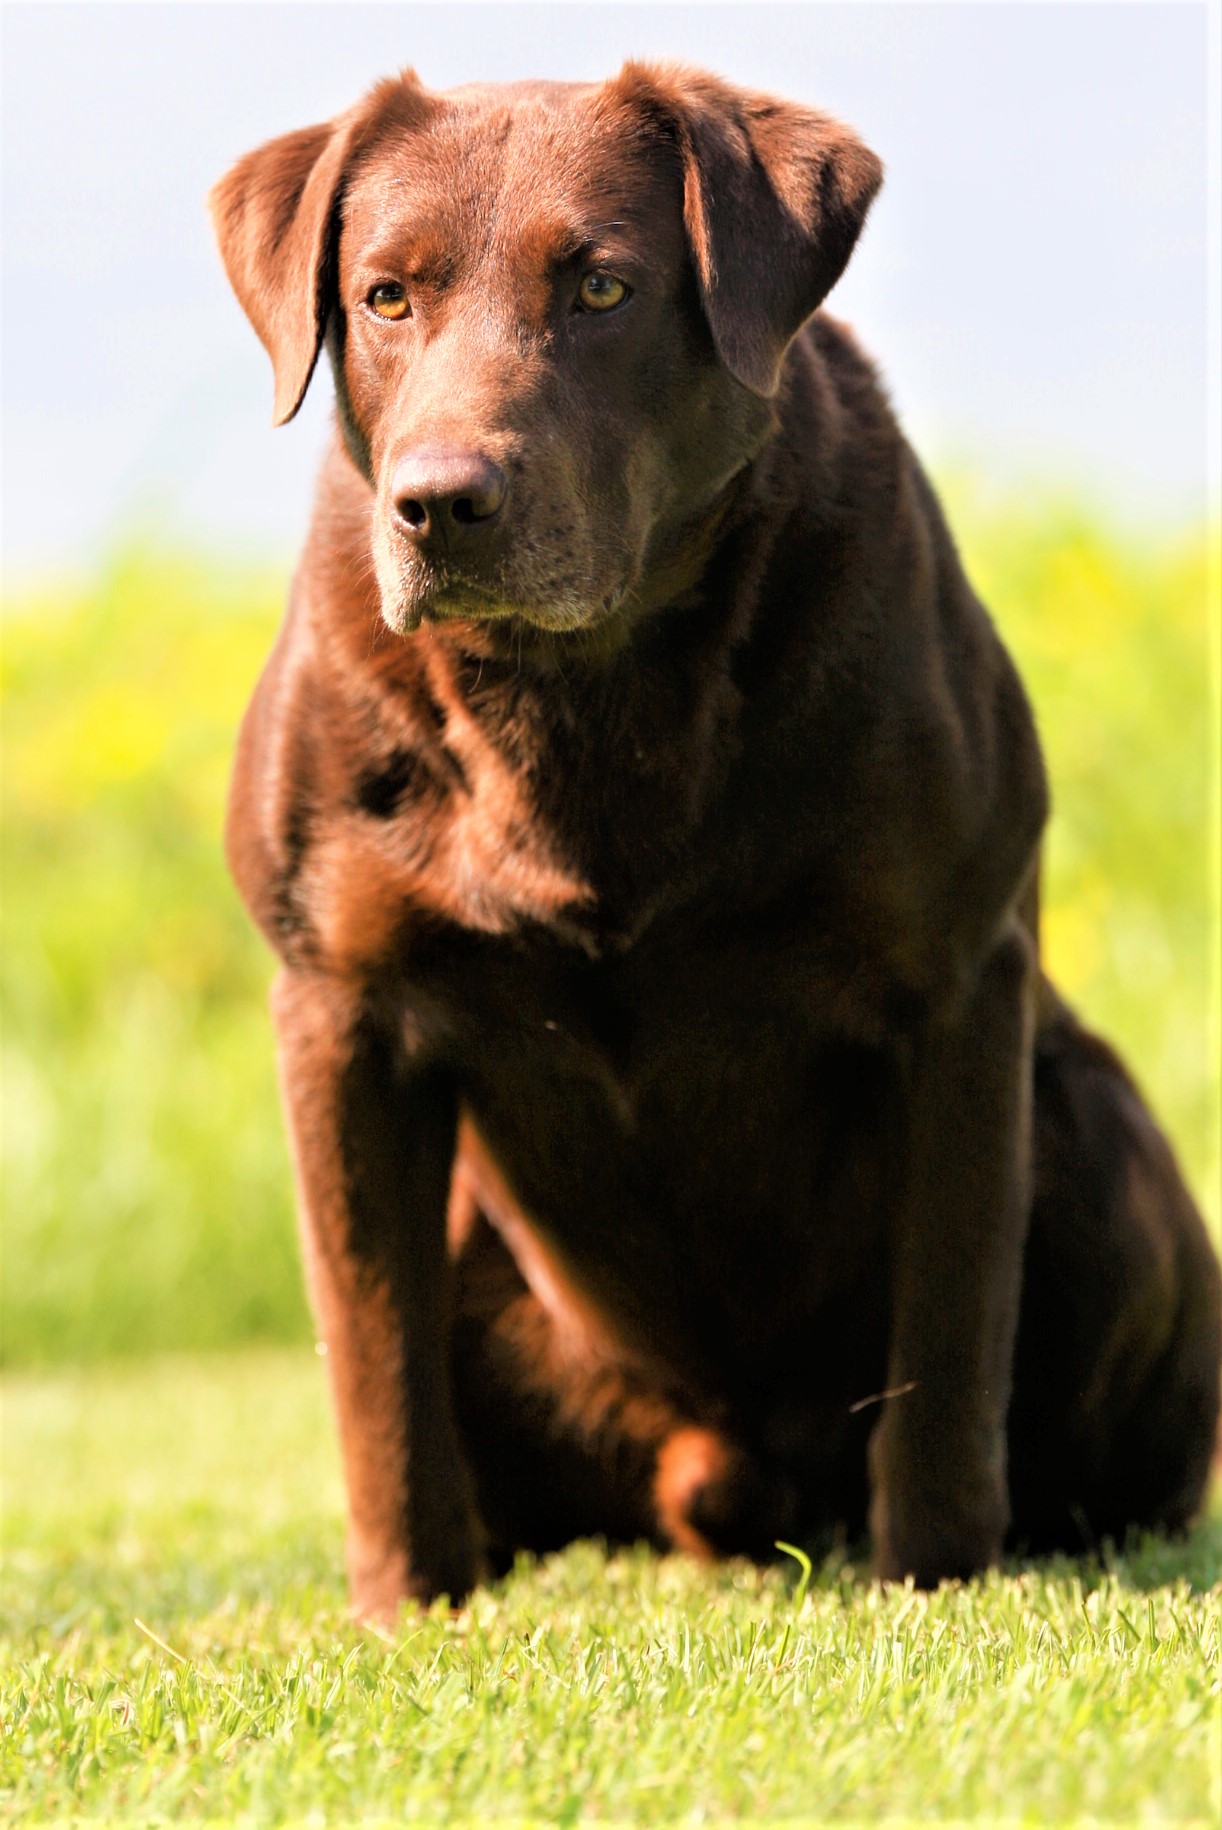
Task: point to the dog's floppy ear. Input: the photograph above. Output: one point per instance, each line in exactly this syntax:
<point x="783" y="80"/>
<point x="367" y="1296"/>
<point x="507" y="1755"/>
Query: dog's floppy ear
<point x="275" y="216"/>
<point x="273" y="219"/>
<point x="774" y="198"/>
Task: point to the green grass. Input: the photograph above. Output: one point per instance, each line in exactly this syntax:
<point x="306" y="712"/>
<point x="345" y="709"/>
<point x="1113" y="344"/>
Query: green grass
<point x="200" y="1497"/>
<point x="147" y="1198"/>
<point x="147" y="1206"/>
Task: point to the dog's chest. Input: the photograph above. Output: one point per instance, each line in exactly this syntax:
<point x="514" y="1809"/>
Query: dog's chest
<point x="464" y="854"/>
<point x="496" y="828"/>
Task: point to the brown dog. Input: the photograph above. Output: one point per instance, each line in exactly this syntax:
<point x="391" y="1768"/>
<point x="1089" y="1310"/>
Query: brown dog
<point x="647" y="818"/>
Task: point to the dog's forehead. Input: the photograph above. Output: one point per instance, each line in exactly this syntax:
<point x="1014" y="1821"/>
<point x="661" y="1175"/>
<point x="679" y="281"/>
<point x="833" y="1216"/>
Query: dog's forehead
<point x="489" y="97"/>
<point x="524" y="162"/>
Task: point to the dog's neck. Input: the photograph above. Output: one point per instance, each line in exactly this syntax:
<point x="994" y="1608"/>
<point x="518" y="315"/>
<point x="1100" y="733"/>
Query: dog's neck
<point x="622" y="744"/>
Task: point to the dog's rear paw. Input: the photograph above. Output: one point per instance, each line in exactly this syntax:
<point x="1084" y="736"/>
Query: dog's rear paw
<point x="714" y="1500"/>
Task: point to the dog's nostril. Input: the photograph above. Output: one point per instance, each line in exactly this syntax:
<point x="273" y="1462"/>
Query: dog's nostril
<point x="483" y="494"/>
<point x="441" y="495"/>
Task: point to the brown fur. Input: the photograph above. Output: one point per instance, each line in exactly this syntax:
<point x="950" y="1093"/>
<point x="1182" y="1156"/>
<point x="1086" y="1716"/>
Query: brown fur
<point x="688" y="1144"/>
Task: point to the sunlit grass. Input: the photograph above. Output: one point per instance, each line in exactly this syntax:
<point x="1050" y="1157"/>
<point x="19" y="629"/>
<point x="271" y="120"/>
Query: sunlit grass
<point x="147" y="1200"/>
<point x="147" y="1205"/>
<point x="146" y="1189"/>
<point x="200" y="1498"/>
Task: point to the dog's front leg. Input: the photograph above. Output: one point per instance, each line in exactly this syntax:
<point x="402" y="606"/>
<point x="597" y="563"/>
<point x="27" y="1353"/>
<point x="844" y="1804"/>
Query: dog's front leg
<point x="373" y="1140"/>
<point x="939" y="1502"/>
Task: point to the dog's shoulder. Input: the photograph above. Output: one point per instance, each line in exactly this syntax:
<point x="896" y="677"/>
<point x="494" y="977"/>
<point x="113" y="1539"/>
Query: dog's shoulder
<point x="378" y="790"/>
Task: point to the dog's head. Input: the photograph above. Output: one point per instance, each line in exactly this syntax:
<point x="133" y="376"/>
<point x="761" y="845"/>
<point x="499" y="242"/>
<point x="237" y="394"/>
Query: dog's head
<point x="557" y="315"/>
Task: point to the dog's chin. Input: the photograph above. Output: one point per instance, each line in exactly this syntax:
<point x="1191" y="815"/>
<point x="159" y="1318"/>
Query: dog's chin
<point x="406" y="610"/>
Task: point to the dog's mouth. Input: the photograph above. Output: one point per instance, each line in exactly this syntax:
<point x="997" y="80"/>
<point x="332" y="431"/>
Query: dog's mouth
<point x="460" y="597"/>
<point x="438" y="593"/>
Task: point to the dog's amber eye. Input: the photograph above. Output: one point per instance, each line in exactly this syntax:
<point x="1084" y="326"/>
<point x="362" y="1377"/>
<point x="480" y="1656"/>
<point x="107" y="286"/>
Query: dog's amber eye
<point x="601" y="292"/>
<point x="389" y="301"/>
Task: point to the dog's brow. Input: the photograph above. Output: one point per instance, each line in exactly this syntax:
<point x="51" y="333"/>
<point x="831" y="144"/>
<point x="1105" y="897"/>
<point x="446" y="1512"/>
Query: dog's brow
<point x="425" y="256"/>
<point x="575" y="241"/>
<point x="433" y="266"/>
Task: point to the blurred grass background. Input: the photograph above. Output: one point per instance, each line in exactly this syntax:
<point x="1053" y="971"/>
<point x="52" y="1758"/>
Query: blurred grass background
<point x="147" y="1201"/>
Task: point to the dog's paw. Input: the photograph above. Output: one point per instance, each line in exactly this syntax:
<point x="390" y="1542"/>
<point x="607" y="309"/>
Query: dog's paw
<point x="449" y="1563"/>
<point x="712" y="1499"/>
<point x="935" y="1539"/>
<point x="939" y="1507"/>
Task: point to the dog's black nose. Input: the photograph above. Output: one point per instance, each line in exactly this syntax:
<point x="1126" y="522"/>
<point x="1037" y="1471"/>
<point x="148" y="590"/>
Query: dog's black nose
<point x="443" y="497"/>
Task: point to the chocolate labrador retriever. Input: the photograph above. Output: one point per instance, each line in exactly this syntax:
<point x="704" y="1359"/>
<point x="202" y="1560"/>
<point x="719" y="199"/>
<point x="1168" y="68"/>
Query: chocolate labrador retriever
<point x="647" y="819"/>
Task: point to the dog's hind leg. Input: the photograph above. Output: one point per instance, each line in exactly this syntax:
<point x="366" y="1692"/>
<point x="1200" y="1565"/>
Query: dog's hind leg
<point x="565" y="1441"/>
<point x="1114" y="1412"/>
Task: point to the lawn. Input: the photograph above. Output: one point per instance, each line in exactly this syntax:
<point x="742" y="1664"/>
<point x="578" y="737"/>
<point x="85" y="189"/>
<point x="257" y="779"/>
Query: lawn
<point x="147" y="1199"/>
<point x="175" y="1645"/>
<point x="176" y="1649"/>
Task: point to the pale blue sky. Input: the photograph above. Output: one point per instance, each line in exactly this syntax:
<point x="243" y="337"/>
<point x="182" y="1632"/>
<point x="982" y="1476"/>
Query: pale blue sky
<point x="1032" y="280"/>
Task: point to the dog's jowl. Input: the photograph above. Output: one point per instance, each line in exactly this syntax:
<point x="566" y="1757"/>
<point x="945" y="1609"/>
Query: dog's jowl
<point x="647" y="820"/>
